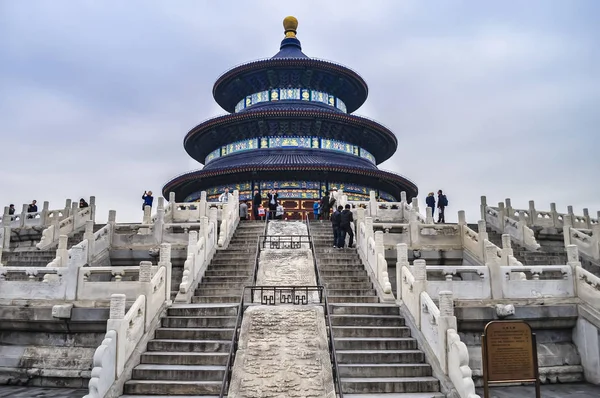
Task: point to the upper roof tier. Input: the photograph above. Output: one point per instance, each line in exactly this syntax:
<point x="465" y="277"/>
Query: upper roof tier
<point x="290" y="67"/>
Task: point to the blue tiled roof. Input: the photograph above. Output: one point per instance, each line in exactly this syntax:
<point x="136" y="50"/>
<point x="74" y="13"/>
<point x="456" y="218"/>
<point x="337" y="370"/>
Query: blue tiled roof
<point x="290" y="157"/>
<point x="290" y="48"/>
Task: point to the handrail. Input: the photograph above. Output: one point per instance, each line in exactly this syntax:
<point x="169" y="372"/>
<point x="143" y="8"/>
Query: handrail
<point x="332" y="351"/>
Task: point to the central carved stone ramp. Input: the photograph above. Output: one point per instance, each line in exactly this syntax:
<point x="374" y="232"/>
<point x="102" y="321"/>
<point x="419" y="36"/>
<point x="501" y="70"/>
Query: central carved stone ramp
<point x="189" y="353"/>
<point x="377" y="357"/>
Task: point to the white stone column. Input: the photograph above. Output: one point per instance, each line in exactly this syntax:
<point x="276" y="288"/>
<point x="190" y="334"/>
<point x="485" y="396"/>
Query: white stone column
<point x="373" y="203"/>
<point x="44" y="215"/>
<point x="147" y="215"/>
<point x="571" y="215"/>
<point x="482" y="235"/>
<point x="567" y="230"/>
<point x="532" y="214"/>
<point x="164" y="260"/>
<point x="419" y="271"/>
<point x="573" y="262"/>
<point x="483" y="207"/>
<point x="204" y="223"/>
<point x="379" y="249"/>
<point x="403" y="204"/>
<point x="67" y="211"/>
<point x="93" y="208"/>
<point x="62" y="251"/>
<point x="554" y="214"/>
<point x="159" y="223"/>
<point x="6" y="218"/>
<point x="429" y="217"/>
<point x="508" y="206"/>
<point x="360" y="217"/>
<point x="413" y="230"/>
<point x="491" y="261"/>
<point x="415" y="205"/>
<point x="212" y="217"/>
<point x="369" y="229"/>
<point x="145" y="275"/>
<point x="112" y="221"/>
<point x="91" y="241"/>
<point x="401" y="261"/>
<point x="75" y="214"/>
<point x="596" y="241"/>
<point x="506" y="249"/>
<point x="501" y="215"/>
<point x="588" y="220"/>
<point x="117" y="306"/>
<point x="23" y="215"/>
<point x="446" y="321"/>
<point x="203" y="204"/>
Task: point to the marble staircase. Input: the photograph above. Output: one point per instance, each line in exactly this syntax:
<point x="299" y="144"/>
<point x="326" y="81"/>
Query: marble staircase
<point x="375" y="351"/>
<point x="189" y="352"/>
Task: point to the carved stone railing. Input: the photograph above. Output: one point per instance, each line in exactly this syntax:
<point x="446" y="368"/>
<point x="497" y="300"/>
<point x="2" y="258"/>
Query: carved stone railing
<point x="66" y="225"/>
<point x="466" y="282"/>
<point x="371" y="251"/>
<point x="537" y="281"/>
<point x="438" y="327"/>
<point x="517" y="229"/>
<point x="229" y="219"/>
<point x="587" y="241"/>
<point x="546" y="219"/>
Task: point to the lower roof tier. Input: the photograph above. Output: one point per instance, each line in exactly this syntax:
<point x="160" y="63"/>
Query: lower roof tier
<point x="186" y="185"/>
<point x="218" y="132"/>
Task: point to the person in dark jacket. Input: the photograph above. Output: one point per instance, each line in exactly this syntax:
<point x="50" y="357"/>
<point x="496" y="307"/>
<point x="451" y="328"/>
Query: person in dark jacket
<point x="148" y="199"/>
<point x="430" y="201"/>
<point x="256" y="201"/>
<point x="325" y="206"/>
<point x="442" y="203"/>
<point x="345" y="227"/>
<point x="273" y="202"/>
<point x="11" y="209"/>
<point x="83" y="204"/>
<point x="336" y="220"/>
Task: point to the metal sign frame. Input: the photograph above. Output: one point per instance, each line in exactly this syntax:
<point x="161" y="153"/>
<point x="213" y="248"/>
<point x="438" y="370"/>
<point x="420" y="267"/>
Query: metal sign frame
<point x="488" y="376"/>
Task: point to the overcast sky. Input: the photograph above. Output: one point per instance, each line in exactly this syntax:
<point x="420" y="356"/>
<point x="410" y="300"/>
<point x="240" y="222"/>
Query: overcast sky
<point x="496" y="98"/>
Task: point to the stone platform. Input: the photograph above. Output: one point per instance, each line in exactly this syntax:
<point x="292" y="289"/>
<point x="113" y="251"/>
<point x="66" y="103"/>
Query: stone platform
<point x="575" y="390"/>
<point x="40" y="392"/>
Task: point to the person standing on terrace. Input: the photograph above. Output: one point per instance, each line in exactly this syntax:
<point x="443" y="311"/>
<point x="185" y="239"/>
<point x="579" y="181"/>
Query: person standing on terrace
<point x="224" y="196"/>
<point x="430" y="201"/>
<point x="148" y="199"/>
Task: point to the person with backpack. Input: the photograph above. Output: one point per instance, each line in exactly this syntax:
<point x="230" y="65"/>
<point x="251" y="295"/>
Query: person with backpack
<point x="316" y="209"/>
<point x="325" y="206"/>
<point x="336" y="220"/>
<point x="442" y="203"/>
<point x="346" y="219"/>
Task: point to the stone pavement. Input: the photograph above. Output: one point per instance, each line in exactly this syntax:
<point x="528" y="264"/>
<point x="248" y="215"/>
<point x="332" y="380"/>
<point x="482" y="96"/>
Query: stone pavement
<point x="40" y="392"/>
<point x="574" y="390"/>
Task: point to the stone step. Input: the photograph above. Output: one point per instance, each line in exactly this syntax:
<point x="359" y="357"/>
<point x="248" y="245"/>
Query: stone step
<point x="341" y="267"/>
<point x="229" y="285"/>
<point x="245" y="261"/>
<point x="391" y="395"/>
<point x="194" y="333"/>
<point x="380" y="356"/>
<point x="345" y="279"/>
<point x="366" y="320"/>
<point x="327" y="261"/>
<point x="385" y="370"/>
<point x="185" y="358"/>
<point x="382" y="309"/>
<point x="178" y="372"/>
<point x="371" y="331"/>
<point x="170" y="387"/>
<point x="351" y="292"/>
<point x="202" y="310"/>
<point x="325" y="273"/>
<point x="389" y="385"/>
<point x="236" y="279"/>
<point x="189" y="345"/>
<point x="375" y="343"/>
<point x="348" y="285"/>
<point x="216" y="299"/>
<point x="195" y="322"/>
<point x="222" y="291"/>
<point x="352" y="299"/>
<point x="228" y="272"/>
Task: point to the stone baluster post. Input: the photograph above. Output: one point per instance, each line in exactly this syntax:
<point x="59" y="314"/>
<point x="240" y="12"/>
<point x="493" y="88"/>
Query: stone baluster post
<point x="491" y="261"/>
<point x="532" y="214"/>
<point x="112" y="221"/>
<point x="117" y="306"/>
<point x="172" y="208"/>
<point x="360" y="217"/>
<point x="203" y="205"/>
<point x="91" y="241"/>
<point x="159" y="223"/>
<point x="446" y="321"/>
<point x="401" y="261"/>
<point x="44" y="215"/>
<point x="596" y="241"/>
<point x="587" y="218"/>
<point x="413" y="231"/>
<point x="67" y="211"/>
<point x="62" y="251"/>
<point x="415" y="205"/>
<point x="192" y="244"/>
<point x="483" y="207"/>
<point x="373" y="204"/>
<point x="145" y="275"/>
<point x="506" y="249"/>
<point x="75" y="214"/>
<point x="554" y="215"/>
<point x="164" y="260"/>
<point x="403" y="204"/>
<point x="204" y="231"/>
<point x="573" y="262"/>
<point x="212" y="217"/>
<point x="369" y="229"/>
<point x="379" y="249"/>
<point x="501" y="215"/>
<point x="23" y="215"/>
<point x="462" y="224"/>
<point x="419" y="271"/>
<point x="482" y="236"/>
<point x="6" y="218"/>
<point x="429" y="216"/>
<point x="508" y="206"/>
<point x="567" y="224"/>
<point x="571" y="216"/>
<point x="92" y="208"/>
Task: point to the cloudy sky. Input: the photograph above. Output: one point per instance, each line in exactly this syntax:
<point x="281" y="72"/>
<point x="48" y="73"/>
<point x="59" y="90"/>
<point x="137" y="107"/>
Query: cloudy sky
<point x="496" y="98"/>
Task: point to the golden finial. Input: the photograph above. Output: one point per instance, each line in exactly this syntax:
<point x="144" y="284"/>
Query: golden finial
<point x="290" y="24"/>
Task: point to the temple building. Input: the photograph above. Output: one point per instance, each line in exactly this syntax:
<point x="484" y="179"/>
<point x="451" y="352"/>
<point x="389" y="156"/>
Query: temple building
<point x="290" y="127"/>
